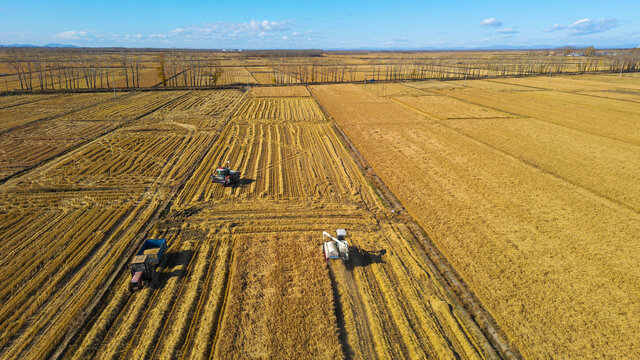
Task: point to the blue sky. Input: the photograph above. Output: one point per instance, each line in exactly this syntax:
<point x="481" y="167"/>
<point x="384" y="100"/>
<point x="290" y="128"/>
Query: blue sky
<point x="320" y="24"/>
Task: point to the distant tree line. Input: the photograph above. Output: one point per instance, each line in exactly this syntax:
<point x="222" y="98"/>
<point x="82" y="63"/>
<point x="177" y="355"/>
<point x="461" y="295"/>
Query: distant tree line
<point x="72" y="69"/>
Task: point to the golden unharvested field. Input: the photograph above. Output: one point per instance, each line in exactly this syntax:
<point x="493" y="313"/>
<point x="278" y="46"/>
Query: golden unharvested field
<point x="530" y="189"/>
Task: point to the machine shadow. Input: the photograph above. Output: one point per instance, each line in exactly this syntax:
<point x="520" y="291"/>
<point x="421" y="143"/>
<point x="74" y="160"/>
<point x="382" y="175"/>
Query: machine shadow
<point x="242" y="182"/>
<point x="177" y="258"/>
<point x="362" y="258"/>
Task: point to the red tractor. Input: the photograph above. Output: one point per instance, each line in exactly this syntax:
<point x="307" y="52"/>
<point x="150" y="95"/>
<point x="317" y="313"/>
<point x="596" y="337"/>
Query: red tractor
<point x="224" y="175"/>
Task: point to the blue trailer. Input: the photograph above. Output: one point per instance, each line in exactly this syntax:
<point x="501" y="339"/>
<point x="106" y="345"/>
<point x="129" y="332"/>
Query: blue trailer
<point x="143" y="265"/>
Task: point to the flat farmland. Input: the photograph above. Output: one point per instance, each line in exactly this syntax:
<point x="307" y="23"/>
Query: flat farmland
<point x="45" y="137"/>
<point x="600" y="116"/>
<point x="486" y="219"/>
<point x="245" y="275"/>
<point x="530" y="193"/>
<point x="30" y="108"/>
<point x="69" y="223"/>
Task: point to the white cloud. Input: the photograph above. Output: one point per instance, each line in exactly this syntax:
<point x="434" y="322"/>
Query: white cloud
<point x="263" y="34"/>
<point x="586" y="26"/>
<point x="491" y="22"/>
<point x="397" y="40"/>
<point x="507" y="30"/>
<point x="498" y="27"/>
<point x="253" y="30"/>
<point x="133" y="37"/>
<point x="268" y="25"/>
<point x="555" y="27"/>
<point x="223" y="29"/>
<point x="74" y="35"/>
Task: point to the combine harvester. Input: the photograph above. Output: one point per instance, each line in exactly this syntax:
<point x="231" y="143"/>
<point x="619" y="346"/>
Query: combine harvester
<point x="143" y="265"/>
<point x="336" y="247"/>
<point x="224" y="175"/>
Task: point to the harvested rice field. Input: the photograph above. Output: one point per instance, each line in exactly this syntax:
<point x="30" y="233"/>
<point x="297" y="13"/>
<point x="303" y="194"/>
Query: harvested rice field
<point x="486" y="219"/>
<point x="244" y="273"/>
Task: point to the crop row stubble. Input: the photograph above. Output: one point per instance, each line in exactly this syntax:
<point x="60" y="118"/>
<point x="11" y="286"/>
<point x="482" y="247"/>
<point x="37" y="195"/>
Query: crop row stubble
<point x="68" y="223"/>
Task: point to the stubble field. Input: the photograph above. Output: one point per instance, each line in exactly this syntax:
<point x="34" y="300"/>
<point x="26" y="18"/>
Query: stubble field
<point x="244" y="275"/>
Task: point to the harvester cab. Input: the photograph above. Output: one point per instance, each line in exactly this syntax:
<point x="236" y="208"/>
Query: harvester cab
<point x="336" y="247"/>
<point x="224" y="175"/>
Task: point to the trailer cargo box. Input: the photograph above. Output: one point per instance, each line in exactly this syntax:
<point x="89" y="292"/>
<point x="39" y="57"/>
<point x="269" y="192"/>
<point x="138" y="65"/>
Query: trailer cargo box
<point x="154" y="249"/>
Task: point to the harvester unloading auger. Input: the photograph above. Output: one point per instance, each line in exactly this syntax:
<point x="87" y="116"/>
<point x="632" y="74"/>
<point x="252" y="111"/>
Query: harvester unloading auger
<point x="224" y="175"/>
<point x="336" y="248"/>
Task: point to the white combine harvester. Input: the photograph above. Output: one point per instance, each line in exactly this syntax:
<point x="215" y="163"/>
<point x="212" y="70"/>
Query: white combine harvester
<point x="336" y="248"/>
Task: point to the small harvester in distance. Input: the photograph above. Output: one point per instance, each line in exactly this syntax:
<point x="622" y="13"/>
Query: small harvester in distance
<point x="224" y="175"/>
<point x="143" y="265"/>
<point x="337" y="247"/>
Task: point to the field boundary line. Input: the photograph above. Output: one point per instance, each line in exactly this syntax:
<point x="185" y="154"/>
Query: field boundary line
<point x="615" y="204"/>
<point x="125" y="89"/>
<point x="159" y="212"/>
<point x="468" y="305"/>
